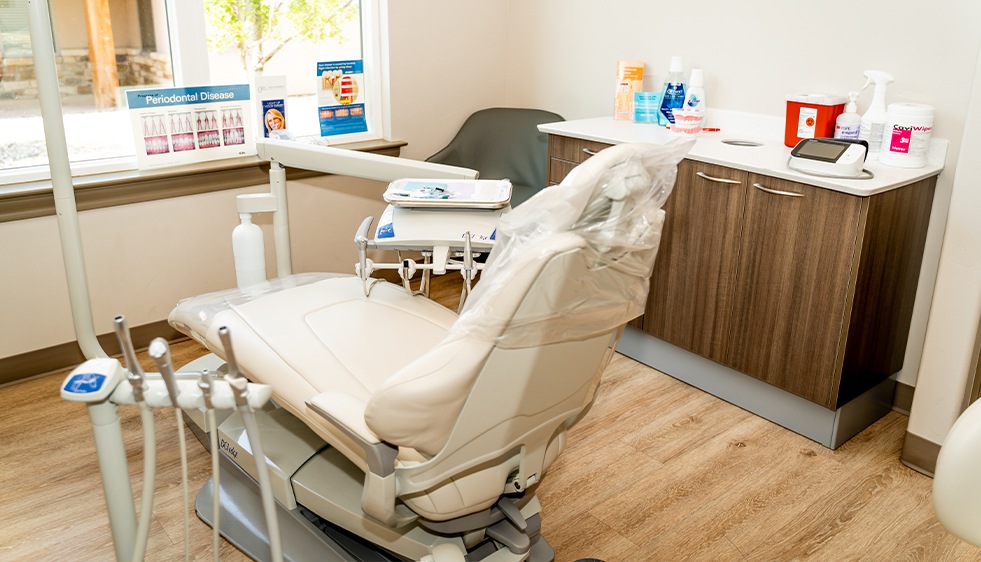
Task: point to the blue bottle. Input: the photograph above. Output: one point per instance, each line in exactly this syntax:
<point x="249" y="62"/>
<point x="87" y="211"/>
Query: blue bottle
<point x="673" y="96"/>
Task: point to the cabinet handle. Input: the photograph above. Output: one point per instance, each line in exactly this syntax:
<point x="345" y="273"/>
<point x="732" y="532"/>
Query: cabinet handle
<point x="590" y="152"/>
<point x="777" y="192"/>
<point x="705" y="176"/>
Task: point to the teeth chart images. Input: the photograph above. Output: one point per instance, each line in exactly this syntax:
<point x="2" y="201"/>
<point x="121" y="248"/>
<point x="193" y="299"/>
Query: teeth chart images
<point x="184" y="125"/>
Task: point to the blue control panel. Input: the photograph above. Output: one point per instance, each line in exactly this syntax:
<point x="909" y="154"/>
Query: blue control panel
<point x="84" y="383"/>
<point x="92" y="381"/>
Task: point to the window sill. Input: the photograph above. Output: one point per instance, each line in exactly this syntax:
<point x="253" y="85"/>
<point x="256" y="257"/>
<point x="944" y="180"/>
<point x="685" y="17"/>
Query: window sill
<point x="35" y="199"/>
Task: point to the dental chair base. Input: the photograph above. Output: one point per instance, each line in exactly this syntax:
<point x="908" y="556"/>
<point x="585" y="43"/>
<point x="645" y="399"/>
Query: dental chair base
<point x="315" y="526"/>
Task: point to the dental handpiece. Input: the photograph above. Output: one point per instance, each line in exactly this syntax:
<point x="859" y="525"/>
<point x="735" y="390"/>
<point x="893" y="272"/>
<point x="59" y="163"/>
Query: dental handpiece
<point x="207" y="388"/>
<point x="160" y="353"/>
<point x="235" y="379"/>
<point x="240" y="389"/>
<point x="134" y="371"/>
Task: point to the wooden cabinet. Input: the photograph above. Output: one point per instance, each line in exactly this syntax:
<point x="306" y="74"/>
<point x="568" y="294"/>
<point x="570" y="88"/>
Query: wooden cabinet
<point x="565" y="153"/>
<point x="693" y="280"/>
<point x="808" y="289"/>
<point x="793" y="286"/>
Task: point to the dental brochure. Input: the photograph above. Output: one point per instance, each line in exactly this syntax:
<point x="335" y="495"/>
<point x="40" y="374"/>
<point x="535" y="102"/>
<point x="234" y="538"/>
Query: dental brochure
<point x="340" y="98"/>
<point x="630" y="80"/>
<point x="173" y="126"/>
<point x="270" y="95"/>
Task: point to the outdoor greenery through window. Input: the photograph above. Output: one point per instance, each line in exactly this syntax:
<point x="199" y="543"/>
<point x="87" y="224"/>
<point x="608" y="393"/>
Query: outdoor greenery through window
<point x="105" y="47"/>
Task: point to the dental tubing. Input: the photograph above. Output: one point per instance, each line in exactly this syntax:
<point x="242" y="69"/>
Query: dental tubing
<point x="160" y="353"/>
<point x="137" y="381"/>
<point x="240" y="389"/>
<point x="207" y="389"/>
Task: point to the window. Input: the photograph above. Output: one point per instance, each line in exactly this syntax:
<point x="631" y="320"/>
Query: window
<point x="158" y="43"/>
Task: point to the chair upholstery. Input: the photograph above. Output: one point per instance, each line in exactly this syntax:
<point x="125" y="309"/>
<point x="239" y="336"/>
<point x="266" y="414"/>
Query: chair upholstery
<point x="503" y="142"/>
<point x="477" y="405"/>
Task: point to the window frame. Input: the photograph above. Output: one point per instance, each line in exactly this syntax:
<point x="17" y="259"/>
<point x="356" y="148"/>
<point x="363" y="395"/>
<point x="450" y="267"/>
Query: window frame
<point x="186" y="31"/>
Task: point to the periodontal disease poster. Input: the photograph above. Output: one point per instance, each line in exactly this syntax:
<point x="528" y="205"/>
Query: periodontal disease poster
<point x="340" y="97"/>
<point x="173" y="126"/>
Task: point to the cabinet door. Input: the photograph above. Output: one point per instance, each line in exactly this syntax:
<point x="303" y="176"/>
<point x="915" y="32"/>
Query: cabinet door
<point x="564" y="153"/>
<point x="693" y="280"/>
<point x="796" y="270"/>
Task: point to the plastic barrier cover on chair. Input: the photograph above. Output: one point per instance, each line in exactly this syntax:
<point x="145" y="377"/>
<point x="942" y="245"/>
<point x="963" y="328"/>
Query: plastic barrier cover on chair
<point x="613" y="202"/>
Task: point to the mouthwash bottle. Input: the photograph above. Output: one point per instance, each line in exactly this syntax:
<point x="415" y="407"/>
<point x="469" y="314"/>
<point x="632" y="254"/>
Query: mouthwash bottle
<point x="673" y="96"/>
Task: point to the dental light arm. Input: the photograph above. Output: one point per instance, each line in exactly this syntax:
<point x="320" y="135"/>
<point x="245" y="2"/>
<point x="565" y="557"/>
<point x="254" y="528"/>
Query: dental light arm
<point x="352" y="163"/>
<point x="328" y="160"/>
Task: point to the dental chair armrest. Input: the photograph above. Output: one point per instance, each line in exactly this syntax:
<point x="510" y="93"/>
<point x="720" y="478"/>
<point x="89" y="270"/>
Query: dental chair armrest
<point x="347" y="414"/>
<point x="379" y="498"/>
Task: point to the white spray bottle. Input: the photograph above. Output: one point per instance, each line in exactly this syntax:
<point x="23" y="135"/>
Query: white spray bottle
<point x="849" y="124"/>
<point x="249" y="252"/>
<point x="874" y="119"/>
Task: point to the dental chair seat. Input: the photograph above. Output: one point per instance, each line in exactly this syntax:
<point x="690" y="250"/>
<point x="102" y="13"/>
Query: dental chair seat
<point x="313" y="334"/>
<point x="445" y="414"/>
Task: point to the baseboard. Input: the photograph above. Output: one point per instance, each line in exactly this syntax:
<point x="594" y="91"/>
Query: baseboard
<point x="902" y="401"/>
<point x="830" y="428"/>
<point x="920" y="454"/>
<point x="65" y="356"/>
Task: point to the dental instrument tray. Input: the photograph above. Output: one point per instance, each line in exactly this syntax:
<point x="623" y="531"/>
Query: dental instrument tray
<point x="469" y="194"/>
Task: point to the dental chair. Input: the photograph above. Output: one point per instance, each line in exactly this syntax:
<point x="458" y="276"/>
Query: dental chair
<point x="431" y="430"/>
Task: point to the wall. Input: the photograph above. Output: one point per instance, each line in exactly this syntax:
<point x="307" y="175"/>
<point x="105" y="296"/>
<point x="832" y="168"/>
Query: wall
<point x="143" y="258"/>
<point x="950" y="350"/>
<point x="447" y="59"/>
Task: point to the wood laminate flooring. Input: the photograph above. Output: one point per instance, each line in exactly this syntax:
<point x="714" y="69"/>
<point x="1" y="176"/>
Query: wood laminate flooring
<point x="657" y="470"/>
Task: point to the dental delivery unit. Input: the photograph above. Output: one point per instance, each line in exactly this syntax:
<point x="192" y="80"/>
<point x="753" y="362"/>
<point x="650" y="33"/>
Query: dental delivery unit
<point x="379" y="425"/>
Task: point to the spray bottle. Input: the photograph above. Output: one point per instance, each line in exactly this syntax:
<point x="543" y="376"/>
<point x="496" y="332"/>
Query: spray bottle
<point x="849" y="124"/>
<point x="874" y="119"/>
<point x="249" y="252"/>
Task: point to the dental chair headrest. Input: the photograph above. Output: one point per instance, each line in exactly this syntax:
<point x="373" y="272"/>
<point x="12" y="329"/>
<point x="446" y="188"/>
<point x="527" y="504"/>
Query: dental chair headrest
<point x="611" y="204"/>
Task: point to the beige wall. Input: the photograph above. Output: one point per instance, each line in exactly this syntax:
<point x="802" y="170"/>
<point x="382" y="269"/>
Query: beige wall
<point x="447" y="59"/>
<point x="142" y="258"/>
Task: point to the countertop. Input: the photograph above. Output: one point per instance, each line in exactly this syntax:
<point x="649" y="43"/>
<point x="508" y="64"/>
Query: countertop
<point x="770" y="158"/>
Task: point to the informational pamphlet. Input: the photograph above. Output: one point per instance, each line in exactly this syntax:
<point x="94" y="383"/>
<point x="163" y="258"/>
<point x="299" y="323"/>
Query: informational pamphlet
<point x="340" y="98"/>
<point x="173" y="126"/>
<point x="270" y="95"/>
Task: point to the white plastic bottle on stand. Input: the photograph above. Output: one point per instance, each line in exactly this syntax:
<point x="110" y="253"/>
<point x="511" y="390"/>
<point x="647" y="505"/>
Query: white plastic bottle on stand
<point x="673" y="96"/>
<point x="249" y="251"/>
<point x="695" y="97"/>
<point x="849" y="125"/>
<point x="874" y="119"/>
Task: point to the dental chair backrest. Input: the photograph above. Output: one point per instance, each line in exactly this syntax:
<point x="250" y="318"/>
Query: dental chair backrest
<point x="489" y="406"/>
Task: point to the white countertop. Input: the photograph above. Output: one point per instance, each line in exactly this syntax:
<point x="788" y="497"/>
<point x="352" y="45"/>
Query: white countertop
<point x="768" y="159"/>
